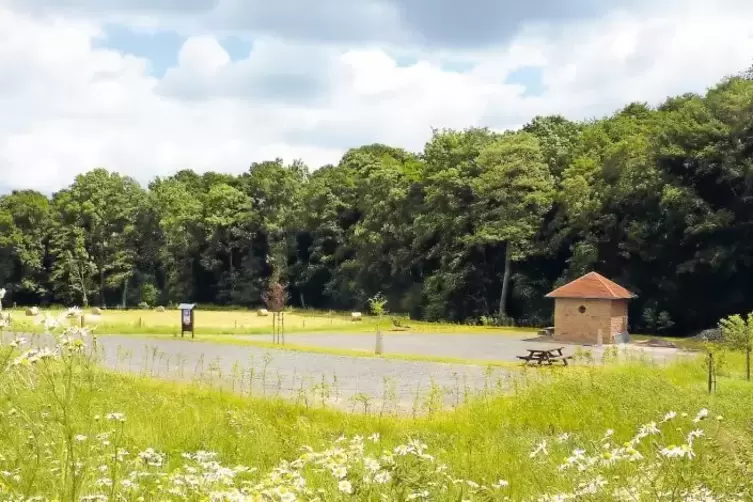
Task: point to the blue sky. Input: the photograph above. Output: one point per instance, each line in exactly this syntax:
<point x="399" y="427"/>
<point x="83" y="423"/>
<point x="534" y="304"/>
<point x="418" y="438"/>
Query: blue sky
<point x="160" y="47"/>
<point x="149" y="87"/>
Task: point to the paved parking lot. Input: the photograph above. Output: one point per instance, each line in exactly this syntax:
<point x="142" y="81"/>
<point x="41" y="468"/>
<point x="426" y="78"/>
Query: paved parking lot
<point x="478" y="346"/>
<point x="346" y="380"/>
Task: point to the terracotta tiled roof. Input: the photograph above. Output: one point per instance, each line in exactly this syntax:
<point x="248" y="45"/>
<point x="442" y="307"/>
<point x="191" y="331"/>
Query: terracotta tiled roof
<point x="593" y="286"/>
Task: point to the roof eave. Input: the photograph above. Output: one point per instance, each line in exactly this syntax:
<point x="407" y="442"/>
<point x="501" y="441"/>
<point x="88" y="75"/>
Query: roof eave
<point x="592" y="297"/>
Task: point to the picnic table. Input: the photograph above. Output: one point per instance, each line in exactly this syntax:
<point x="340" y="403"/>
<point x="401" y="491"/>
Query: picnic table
<point x="542" y="356"/>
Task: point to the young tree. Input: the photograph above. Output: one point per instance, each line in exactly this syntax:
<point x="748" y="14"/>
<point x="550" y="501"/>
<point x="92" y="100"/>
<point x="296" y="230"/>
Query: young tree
<point x="275" y="298"/>
<point x="377" y="304"/>
<point x="737" y="334"/>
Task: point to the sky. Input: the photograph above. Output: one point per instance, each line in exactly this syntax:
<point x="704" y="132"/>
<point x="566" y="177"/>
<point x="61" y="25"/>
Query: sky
<point x="149" y="87"/>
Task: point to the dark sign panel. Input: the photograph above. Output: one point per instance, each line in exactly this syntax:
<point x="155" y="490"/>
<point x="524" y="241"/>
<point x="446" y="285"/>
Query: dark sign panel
<point x="186" y="318"/>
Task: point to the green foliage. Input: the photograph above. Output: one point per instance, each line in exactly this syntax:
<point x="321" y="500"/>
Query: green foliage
<point x="737" y="332"/>
<point x="478" y="223"/>
<point x="377" y="304"/>
<point x="149" y="293"/>
<point x="73" y="430"/>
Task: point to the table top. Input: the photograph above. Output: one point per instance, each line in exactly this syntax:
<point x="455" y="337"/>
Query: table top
<point x="544" y="351"/>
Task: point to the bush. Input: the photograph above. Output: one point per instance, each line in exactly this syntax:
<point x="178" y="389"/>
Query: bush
<point x="148" y="294"/>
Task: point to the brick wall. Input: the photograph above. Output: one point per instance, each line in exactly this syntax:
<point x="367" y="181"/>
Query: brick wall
<point x="582" y="327"/>
<point x="619" y="321"/>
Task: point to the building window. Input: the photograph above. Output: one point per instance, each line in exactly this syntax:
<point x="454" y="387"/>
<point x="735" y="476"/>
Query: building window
<point x="582" y="309"/>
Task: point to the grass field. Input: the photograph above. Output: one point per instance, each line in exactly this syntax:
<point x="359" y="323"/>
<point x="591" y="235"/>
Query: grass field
<point x="237" y="322"/>
<point x="69" y="431"/>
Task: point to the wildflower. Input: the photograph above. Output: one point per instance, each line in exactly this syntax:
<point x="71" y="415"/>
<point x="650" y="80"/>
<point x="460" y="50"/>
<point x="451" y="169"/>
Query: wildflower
<point x="151" y="457"/>
<point x="345" y="487"/>
<point x="116" y="417"/>
<point x="17" y="342"/>
<point x="382" y="477"/>
<point x="80" y="437"/>
<point x="540" y="448"/>
<point x="374" y="437"/>
<point x="563" y="437"/>
<point x="33" y="356"/>
<point x="694" y="434"/>
<point x="669" y="416"/>
<point x="371" y="464"/>
<point x="501" y="484"/>
<point x="340" y="471"/>
<point x="48" y="323"/>
<point x="677" y="452"/>
<point x="73" y="312"/>
<point x="702" y="414"/>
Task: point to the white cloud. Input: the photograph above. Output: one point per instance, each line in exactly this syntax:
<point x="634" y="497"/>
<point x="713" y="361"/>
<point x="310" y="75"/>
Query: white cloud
<point x="68" y="107"/>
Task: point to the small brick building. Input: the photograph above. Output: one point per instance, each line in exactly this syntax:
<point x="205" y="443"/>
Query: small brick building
<point x="589" y="304"/>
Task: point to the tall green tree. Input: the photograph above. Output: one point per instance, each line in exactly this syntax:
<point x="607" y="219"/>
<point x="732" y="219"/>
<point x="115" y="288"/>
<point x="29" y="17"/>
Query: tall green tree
<point x="24" y="234"/>
<point x="96" y="222"/>
<point x="513" y="192"/>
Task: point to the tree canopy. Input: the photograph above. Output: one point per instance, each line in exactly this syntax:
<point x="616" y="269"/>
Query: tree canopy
<point x="479" y="224"/>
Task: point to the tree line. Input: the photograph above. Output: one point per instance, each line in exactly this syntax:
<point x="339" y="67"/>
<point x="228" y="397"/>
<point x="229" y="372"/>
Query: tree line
<point x="477" y="227"/>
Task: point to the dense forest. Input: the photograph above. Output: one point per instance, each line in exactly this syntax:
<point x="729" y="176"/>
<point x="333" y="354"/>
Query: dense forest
<point x="479" y="225"/>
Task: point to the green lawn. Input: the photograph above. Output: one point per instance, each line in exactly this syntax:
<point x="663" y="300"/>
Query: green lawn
<point x="241" y="322"/>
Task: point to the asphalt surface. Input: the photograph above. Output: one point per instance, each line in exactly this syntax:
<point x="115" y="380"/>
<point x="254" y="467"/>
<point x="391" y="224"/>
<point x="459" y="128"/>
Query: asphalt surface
<point x="347" y="382"/>
<point x="476" y="346"/>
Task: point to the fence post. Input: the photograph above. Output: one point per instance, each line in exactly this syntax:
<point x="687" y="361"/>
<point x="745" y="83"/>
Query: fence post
<point x="711" y="371"/>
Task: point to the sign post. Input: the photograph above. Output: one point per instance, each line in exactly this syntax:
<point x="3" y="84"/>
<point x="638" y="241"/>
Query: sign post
<point x="186" y="318"/>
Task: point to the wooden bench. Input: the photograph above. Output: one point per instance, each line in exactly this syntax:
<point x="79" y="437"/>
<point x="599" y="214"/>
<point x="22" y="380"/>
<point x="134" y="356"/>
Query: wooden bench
<point x="560" y="358"/>
<point x="547" y="331"/>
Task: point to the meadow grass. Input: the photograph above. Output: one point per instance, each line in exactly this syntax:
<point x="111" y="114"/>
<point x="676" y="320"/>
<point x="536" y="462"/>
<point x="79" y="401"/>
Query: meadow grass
<point x="52" y="409"/>
<point x="246" y="322"/>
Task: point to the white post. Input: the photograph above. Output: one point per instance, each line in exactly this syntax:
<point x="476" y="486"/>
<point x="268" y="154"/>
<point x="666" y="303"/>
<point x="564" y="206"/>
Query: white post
<point x="378" y="349"/>
<point x="599" y="339"/>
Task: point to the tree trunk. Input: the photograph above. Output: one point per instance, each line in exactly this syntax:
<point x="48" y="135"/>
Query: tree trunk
<point x="125" y="293"/>
<point x="505" y="281"/>
<point x="82" y="282"/>
<point x="102" y="286"/>
<point x="303" y="301"/>
<point x="378" y="348"/>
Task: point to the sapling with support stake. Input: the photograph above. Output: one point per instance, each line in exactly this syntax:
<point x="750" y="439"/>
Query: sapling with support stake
<point x="377" y="304"/>
<point x="737" y="334"/>
<point x="275" y="298"/>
